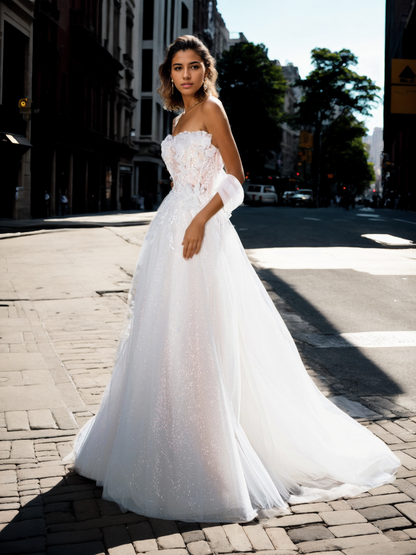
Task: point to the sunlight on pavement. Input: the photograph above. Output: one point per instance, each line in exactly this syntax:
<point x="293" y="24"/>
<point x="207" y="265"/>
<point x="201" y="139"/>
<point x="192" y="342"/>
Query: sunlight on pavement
<point x="385" y="239"/>
<point x="372" y="261"/>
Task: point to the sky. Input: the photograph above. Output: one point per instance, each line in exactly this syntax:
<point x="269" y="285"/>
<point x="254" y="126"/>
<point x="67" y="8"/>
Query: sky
<point x="290" y="29"/>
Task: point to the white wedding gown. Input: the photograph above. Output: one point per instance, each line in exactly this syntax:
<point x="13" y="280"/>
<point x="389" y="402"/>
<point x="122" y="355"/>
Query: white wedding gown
<point x="210" y="415"/>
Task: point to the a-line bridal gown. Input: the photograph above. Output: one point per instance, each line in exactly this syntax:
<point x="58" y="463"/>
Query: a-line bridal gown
<point x="210" y="415"/>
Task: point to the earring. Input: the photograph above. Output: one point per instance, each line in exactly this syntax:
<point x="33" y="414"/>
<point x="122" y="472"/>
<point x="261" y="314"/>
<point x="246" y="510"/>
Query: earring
<point x="205" y="85"/>
<point x="173" y="88"/>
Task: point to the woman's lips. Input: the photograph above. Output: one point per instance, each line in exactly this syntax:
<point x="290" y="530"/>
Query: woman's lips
<point x="187" y="85"/>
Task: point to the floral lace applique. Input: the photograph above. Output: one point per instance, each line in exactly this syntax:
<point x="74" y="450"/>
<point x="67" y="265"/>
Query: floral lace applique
<point x="193" y="162"/>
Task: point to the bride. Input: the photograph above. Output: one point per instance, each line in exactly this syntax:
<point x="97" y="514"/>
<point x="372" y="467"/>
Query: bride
<point x="210" y="415"/>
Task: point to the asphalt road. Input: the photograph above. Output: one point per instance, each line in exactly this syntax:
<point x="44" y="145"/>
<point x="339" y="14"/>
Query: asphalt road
<point x="344" y="283"/>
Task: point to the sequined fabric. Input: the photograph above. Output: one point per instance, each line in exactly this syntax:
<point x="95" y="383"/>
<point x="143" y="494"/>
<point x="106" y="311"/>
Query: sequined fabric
<point x="210" y="415"/>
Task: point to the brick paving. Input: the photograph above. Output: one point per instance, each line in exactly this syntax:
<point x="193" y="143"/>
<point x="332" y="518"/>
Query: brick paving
<point x="62" y="304"/>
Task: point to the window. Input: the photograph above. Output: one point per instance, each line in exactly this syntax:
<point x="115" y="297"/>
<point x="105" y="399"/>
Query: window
<point x="116" y="31"/>
<point x="146" y="116"/>
<point x="172" y="20"/>
<point x="147" y="70"/>
<point x="129" y="34"/>
<point x="184" y="16"/>
<point x="148" y="10"/>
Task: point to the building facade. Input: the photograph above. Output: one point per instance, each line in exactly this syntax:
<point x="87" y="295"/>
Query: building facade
<point x="84" y="72"/>
<point x="161" y="21"/>
<point x="399" y="167"/>
<point x="90" y="140"/>
<point x="16" y="55"/>
<point x="289" y="152"/>
<point x="376" y="148"/>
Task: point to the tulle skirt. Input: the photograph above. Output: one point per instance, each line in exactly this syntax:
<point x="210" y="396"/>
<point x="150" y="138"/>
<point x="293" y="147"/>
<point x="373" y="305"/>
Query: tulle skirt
<point x="210" y="415"/>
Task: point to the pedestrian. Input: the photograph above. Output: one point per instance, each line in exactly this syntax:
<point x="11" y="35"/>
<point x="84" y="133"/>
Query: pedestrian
<point x="210" y="415"/>
<point x="64" y="205"/>
<point x="47" y="201"/>
<point x="141" y="201"/>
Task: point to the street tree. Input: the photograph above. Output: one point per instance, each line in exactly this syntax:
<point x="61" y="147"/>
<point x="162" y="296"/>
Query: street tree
<point x="252" y="89"/>
<point x="345" y="156"/>
<point x="330" y="89"/>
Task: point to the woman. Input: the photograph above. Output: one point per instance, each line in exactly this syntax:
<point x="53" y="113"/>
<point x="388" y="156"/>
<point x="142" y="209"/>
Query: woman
<point x="210" y="414"/>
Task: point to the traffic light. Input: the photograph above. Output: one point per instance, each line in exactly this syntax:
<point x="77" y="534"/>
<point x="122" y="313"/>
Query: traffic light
<point x="25" y="107"/>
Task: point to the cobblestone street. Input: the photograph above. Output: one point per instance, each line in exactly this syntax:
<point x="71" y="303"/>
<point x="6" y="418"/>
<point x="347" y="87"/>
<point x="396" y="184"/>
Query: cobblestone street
<point x="62" y="304"/>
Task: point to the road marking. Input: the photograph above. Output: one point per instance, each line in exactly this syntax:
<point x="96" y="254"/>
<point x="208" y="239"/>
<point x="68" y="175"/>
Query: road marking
<point x="242" y="229"/>
<point x="391" y="240"/>
<point x="314" y="219"/>
<point x="405" y="221"/>
<point x="368" y="215"/>
<point x="363" y="339"/>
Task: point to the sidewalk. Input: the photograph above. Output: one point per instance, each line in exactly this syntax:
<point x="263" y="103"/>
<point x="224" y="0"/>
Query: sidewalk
<point x="62" y="304"/>
<point x="9" y="227"/>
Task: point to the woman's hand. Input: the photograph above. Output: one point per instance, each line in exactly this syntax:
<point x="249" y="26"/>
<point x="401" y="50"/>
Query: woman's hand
<point x="193" y="237"/>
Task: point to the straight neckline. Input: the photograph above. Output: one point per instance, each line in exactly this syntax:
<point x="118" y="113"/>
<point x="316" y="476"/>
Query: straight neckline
<point x="189" y="132"/>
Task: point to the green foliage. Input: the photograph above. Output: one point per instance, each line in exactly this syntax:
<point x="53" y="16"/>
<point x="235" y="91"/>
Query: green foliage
<point x="345" y="155"/>
<point x="333" y="85"/>
<point x="252" y="89"/>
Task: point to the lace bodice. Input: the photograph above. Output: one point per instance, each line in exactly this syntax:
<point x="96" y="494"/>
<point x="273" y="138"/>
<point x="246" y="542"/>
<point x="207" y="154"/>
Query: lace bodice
<point x="193" y="162"/>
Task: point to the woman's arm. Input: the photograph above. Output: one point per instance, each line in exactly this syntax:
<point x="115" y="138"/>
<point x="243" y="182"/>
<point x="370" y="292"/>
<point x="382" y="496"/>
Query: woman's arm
<point x="216" y="123"/>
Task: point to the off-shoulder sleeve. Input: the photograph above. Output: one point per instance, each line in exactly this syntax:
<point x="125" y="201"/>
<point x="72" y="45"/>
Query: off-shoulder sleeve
<point x="230" y="191"/>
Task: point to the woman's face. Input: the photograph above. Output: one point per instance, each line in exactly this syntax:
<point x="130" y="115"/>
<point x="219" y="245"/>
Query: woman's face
<point x="188" y="72"/>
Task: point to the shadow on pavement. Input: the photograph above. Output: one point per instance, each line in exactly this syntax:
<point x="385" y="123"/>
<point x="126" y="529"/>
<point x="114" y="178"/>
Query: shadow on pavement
<point x="349" y="365"/>
<point x="71" y="518"/>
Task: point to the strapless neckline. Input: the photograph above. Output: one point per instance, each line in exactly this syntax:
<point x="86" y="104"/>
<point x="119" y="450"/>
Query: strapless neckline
<point x="190" y="133"/>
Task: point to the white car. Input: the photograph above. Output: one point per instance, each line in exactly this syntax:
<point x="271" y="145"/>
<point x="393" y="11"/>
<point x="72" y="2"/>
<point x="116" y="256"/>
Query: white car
<point x="259" y="194"/>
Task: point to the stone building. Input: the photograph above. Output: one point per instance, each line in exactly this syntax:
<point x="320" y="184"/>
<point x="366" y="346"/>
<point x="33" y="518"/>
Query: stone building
<point x="209" y="26"/>
<point x="290" y="137"/>
<point x="161" y="21"/>
<point x="84" y="78"/>
<point x="16" y="54"/>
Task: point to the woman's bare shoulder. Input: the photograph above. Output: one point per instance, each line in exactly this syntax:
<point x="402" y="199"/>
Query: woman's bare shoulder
<point x="212" y="108"/>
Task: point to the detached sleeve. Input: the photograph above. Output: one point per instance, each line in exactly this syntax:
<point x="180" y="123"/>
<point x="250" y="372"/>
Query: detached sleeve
<point x="230" y="191"/>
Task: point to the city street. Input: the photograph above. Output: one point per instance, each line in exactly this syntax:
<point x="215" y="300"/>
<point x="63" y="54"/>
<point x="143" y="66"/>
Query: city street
<point x="343" y="283"/>
<point x="347" y="300"/>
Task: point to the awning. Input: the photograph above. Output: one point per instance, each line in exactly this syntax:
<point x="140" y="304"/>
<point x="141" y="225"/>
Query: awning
<point x="14" y="143"/>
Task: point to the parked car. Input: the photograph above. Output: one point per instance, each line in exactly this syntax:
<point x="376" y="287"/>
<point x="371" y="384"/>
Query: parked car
<point x="302" y="197"/>
<point x="259" y="194"/>
<point x="287" y="195"/>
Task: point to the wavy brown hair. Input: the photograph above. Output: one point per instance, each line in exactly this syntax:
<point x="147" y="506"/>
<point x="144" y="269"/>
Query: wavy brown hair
<point x="173" y="101"/>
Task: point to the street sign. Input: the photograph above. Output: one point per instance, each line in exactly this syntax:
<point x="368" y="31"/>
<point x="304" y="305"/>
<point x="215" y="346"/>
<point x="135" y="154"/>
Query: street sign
<point x="403" y="72"/>
<point x="403" y="90"/>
